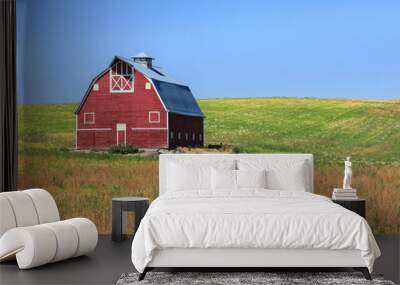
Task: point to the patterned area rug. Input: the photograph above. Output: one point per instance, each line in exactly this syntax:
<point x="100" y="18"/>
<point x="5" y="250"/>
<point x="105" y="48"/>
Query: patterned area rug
<point x="229" y="278"/>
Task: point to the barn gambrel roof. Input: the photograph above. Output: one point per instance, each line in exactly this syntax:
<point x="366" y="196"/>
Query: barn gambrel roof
<point x="176" y="97"/>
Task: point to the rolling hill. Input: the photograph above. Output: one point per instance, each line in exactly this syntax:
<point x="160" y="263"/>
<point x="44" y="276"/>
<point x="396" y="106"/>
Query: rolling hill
<point x="330" y="129"/>
<point x="369" y="131"/>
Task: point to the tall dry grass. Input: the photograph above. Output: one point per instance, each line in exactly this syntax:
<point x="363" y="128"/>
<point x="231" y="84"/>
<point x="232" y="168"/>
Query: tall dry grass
<point x="379" y="185"/>
<point x="85" y="187"/>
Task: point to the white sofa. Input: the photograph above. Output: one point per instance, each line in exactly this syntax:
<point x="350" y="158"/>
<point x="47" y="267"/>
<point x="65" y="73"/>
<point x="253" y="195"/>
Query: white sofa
<point x="31" y="230"/>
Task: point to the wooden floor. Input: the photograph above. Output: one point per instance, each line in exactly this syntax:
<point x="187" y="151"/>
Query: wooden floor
<point x="110" y="260"/>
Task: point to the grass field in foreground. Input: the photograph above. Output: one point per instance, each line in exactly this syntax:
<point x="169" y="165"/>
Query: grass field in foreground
<point x="84" y="183"/>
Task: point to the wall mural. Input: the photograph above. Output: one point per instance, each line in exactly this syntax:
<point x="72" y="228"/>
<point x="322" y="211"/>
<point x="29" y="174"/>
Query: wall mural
<point x="107" y="142"/>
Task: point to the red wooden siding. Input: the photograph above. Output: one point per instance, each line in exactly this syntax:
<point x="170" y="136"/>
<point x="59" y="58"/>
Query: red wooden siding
<point x="148" y="138"/>
<point x="133" y="109"/>
<point x="130" y="108"/>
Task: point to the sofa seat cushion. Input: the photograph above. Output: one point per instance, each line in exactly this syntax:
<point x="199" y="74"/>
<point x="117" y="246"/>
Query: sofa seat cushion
<point x="7" y="220"/>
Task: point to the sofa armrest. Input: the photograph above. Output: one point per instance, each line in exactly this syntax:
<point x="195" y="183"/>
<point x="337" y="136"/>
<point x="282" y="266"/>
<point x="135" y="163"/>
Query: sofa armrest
<point x="33" y="246"/>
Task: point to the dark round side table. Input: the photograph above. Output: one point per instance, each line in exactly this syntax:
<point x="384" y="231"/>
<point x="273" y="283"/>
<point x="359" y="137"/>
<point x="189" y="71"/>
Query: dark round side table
<point x="120" y="207"/>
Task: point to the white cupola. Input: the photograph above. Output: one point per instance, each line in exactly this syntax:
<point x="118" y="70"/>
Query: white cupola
<point x="144" y="59"/>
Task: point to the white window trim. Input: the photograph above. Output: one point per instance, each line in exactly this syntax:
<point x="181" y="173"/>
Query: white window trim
<point x="122" y="74"/>
<point x="154" y="112"/>
<point x="147" y="86"/>
<point x="85" y="121"/>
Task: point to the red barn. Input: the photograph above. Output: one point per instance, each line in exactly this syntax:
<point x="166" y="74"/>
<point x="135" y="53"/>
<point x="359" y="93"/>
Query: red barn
<point x="133" y="102"/>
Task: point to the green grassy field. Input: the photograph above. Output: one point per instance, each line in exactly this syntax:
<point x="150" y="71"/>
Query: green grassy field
<point x="83" y="183"/>
<point x="369" y="131"/>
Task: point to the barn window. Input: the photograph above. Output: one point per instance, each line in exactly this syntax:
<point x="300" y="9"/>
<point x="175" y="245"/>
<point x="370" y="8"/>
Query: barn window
<point x="121" y="78"/>
<point x="147" y="85"/>
<point x="96" y="87"/>
<point x="179" y="135"/>
<point x="154" y="117"/>
<point x="187" y="136"/>
<point x="200" y="137"/>
<point x="88" y="118"/>
<point x="193" y="136"/>
<point x="172" y="135"/>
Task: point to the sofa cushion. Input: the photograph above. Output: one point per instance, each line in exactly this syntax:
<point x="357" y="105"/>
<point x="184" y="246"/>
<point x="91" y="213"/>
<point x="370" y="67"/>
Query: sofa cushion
<point x="67" y="240"/>
<point x="46" y="207"/>
<point x="87" y="235"/>
<point x="7" y="220"/>
<point x="23" y="208"/>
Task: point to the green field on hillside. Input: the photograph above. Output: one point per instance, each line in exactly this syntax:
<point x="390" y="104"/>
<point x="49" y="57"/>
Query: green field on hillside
<point x="330" y="129"/>
<point x="369" y="131"/>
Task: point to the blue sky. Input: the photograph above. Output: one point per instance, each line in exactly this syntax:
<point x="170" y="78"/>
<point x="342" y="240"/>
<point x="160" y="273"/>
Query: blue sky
<point x="327" y="49"/>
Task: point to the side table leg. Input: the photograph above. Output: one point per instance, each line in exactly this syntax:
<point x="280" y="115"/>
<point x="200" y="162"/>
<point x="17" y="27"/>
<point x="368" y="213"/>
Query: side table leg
<point x="124" y="224"/>
<point x="116" y="222"/>
<point x="140" y="211"/>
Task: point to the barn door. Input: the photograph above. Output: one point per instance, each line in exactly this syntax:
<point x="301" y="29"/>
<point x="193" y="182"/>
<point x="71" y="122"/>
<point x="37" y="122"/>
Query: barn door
<point x="121" y="134"/>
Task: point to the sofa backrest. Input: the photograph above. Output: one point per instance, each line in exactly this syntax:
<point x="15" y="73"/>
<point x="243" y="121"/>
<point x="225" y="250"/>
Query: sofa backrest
<point x="278" y="162"/>
<point x="26" y="208"/>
